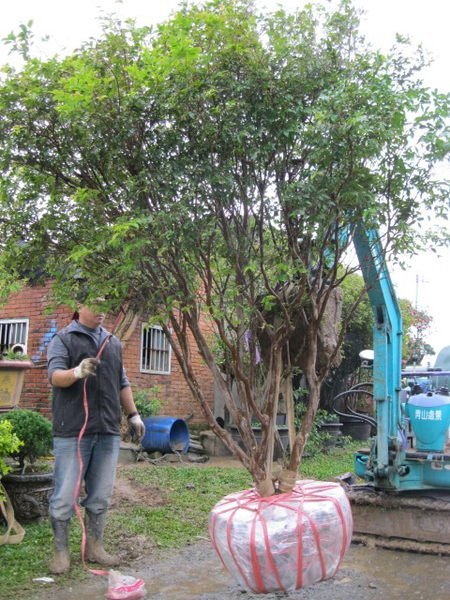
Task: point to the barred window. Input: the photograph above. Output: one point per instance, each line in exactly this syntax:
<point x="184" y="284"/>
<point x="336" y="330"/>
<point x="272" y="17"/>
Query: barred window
<point x="155" y="351"/>
<point x="13" y="332"/>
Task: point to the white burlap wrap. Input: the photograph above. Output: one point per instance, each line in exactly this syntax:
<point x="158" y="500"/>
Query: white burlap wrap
<point x="285" y="541"/>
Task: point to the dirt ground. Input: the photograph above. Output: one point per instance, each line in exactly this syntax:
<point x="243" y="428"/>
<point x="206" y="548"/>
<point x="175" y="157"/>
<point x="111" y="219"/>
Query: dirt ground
<point x="131" y="494"/>
<point x="195" y="572"/>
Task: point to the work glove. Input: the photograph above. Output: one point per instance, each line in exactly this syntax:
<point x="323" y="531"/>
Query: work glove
<point x="88" y="366"/>
<point x="137" y="426"/>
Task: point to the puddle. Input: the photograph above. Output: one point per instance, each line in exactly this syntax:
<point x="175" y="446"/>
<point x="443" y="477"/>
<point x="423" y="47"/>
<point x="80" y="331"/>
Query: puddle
<point x="195" y="573"/>
<point x="209" y="579"/>
<point x="401" y="575"/>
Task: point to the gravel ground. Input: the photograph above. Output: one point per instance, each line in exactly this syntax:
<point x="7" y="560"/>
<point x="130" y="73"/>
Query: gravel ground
<point x="195" y="573"/>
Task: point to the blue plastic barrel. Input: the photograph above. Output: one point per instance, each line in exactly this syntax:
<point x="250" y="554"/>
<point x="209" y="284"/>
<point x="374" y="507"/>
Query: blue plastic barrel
<point x="165" y="434"/>
<point x="430" y="420"/>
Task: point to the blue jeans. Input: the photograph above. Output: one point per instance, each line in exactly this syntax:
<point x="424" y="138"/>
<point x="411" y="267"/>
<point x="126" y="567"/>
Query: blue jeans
<point x="99" y="454"/>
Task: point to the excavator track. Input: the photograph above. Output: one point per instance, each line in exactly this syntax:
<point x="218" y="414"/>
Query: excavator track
<point x="413" y="521"/>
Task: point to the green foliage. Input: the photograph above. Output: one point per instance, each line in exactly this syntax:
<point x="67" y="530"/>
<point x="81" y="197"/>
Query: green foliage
<point x="34" y="431"/>
<point x="416" y="325"/>
<point x="147" y="401"/>
<point x="21" y="41"/>
<point x="23" y="562"/>
<point x="219" y="165"/>
<point x="327" y="466"/>
<point x="10" y="355"/>
<point x="318" y="441"/>
<point x="218" y="99"/>
<point x="9" y="445"/>
<point x="324" y="416"/>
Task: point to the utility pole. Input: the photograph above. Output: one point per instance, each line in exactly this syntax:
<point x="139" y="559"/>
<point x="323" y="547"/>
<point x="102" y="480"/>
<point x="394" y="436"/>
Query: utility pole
<point x="419" y="280"/>
<point x="417" y="292"/>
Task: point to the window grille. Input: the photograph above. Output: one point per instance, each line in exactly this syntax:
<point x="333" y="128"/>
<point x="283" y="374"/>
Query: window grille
<point x="12" y="332"/>
<point x="155" y="351"/>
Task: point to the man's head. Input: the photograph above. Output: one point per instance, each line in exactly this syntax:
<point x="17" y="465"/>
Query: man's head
<point x="92" y="315"/>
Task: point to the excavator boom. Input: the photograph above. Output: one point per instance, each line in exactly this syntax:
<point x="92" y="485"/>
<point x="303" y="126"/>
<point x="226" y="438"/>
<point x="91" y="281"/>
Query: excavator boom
<point x="405" y="500"/>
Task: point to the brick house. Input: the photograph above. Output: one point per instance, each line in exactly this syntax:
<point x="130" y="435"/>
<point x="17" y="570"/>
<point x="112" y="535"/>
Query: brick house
<point x="147" y="355"/>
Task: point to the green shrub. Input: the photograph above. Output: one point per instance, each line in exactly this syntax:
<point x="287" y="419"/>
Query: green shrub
<point x="9" y="444"/>
<point x="35" y="432"/>
<point x="323" y="416"/>
<point x="148" y="403"/>
<point x="317" y="440"/>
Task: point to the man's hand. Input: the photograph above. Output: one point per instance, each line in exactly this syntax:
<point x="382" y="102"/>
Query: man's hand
<point x="137" y="425"/>
<point x="87" y="366"/>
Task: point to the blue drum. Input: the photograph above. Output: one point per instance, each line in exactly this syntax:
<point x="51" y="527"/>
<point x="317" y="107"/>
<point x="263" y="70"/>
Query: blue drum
<point x="166" y="435"/>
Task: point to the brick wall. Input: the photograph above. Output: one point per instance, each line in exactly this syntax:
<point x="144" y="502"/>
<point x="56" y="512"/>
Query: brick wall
<point x="175" y="395"/>
<point x="31" y="302"/>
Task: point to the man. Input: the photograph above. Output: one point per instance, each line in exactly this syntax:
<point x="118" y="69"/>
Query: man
<point x="86" y="372"/>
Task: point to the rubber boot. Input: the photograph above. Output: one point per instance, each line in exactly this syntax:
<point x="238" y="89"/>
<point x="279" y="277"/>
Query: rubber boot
<point x="61" y="560"/>
<point x="95" y="526"/>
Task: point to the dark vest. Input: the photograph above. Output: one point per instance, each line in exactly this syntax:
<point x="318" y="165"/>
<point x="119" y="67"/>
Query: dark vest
<point x="103" y="390"/>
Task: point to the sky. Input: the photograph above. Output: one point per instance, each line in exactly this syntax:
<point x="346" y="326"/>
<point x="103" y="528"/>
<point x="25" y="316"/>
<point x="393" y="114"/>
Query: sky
<point x="426" y="281"/>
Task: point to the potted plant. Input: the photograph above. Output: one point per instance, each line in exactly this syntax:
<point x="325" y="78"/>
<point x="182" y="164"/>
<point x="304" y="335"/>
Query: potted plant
<point x="328" y="421"/>
<point x="29" y="485"/>
<point x="13" y="365"/>
<point x="355" y="408"/>
<point x="325" y="432"/>
<point x="281" y="436"/>
<point x="329" y="426"/>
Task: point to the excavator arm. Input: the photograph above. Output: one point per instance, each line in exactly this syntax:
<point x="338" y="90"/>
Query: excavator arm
<point x="387" y="345"/>
<point x="405" y="500"/>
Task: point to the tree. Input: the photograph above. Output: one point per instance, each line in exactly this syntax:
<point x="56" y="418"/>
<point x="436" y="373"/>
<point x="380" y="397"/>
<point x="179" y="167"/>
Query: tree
<point x="416" y="324"/>
<point x="218" y="166"/>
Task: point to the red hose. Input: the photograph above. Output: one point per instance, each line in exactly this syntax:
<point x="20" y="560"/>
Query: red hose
<point x="80" y="470"/>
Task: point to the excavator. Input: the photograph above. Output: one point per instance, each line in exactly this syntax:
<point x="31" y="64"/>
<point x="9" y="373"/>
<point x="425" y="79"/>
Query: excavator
<point x="404" y="500"/>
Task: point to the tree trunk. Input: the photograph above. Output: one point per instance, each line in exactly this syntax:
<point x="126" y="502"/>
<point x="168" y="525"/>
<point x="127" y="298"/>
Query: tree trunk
<point x="306" y="426"/>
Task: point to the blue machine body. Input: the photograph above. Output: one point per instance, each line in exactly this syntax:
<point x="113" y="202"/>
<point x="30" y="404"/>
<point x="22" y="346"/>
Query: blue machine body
<point x="429" y="415"/>
<point x="389" y="464"/>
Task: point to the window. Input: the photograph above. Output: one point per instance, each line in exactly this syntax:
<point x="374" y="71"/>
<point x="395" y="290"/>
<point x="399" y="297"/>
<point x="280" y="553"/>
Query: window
<point x="13" y="332"/>
<point x="155" y="351"/>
